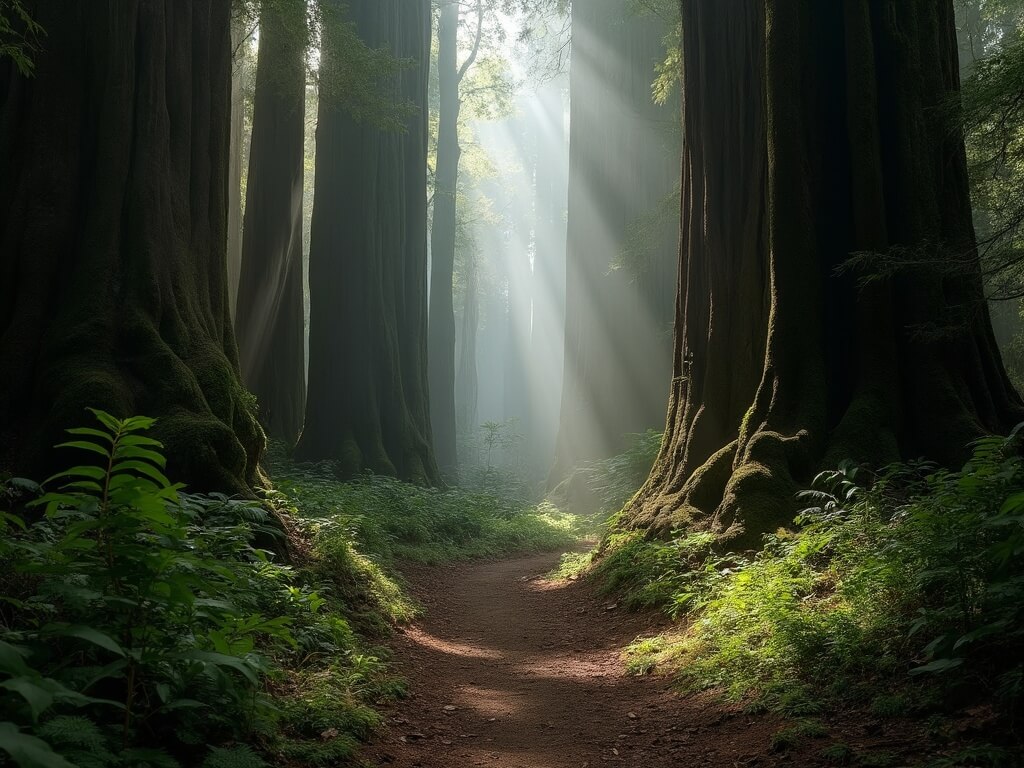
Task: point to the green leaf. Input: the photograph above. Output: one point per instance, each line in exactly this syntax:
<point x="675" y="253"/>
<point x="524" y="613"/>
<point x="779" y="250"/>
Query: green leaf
<point x="223" y="660"/>
<point x="14" y="520"/>
<point x="38" y="697"/>
<point x="86" y="471"/>
<point x="939" y="665"/>
<point x="140" y="440"/>
<point x="22" y="484"/>
<point x="131" y="466"/>
<point x="137" y="423"/>
<point x="85" y="445"/>
<point x="28" y="751"/>
<point x="85" y="485"/>
<point x="112" y="670"/>
<point x="89" y="634"/>
<point x="90" y="432"/>
<point x="143" y="454"/>
<point x="12" y="660"/>
<point x="108" y="421"/>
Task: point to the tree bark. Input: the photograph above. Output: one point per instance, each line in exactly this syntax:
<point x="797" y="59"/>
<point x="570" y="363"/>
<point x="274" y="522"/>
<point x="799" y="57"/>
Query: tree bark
<point x="367" y="404"/>
<point x="849" y="155"/>
<point x="441" y="340"/>
<point x="113" y="236"/>
<point x="622" y="165"/>
<point x="238" y="32"/>
<point x="467" y="382"/>
<point x="270" y="318"/>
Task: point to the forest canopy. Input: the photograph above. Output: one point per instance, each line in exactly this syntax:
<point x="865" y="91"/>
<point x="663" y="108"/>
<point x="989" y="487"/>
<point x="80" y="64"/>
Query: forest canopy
<point x="302" y="301"/>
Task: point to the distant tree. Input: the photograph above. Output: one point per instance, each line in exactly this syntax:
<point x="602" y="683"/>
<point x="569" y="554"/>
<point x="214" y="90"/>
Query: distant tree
<point x="623" y="161"/>
<point x="367" y="404"/>
<point x="443" y="230"/>
<point x="113" y="208"/>
<point x="270" y="314"/>
<point x="786" y="361"/>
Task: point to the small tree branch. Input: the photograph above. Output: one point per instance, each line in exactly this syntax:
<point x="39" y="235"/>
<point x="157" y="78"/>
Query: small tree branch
<point x="476" y="44"/>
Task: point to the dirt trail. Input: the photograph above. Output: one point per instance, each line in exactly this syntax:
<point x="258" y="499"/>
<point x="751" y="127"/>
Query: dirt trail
<point x="509" y="669"/>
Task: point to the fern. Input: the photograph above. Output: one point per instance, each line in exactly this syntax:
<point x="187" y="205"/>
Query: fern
<point x="234" y="757"/>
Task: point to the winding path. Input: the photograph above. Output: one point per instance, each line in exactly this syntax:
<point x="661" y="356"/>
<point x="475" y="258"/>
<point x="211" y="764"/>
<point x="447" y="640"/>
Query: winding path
<point x="511" y="670"/>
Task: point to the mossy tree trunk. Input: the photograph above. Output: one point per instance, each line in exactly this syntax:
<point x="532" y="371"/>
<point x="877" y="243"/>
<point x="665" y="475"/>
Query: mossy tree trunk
<point x="623" y="163"/>
<point x="270" y="318"/>
<point x="113" y="237"/>
<point x="367" y="405"/>
<point x="785" y="365"/>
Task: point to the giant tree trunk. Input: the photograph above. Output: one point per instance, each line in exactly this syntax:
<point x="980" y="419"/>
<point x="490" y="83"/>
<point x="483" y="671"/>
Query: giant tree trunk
<point x="271" y="314"/>
<point x="621" y="167"/>
<point x="113" y="216"/>
<point x="848" y="155"/>
<point x="367" y="404"/>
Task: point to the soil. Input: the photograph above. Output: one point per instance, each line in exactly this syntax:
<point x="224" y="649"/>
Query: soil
<point x="510" y="669"/>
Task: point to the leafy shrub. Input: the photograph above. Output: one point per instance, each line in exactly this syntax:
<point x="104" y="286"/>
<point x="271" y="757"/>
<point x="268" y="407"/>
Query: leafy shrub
<point x="388" y="520"/>
<point x="899" y="588"/>
<point x="614" y="481"/>
<point x="140" y="624"/>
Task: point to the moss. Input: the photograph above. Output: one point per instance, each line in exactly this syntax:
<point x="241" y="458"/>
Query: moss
<point x="758" y="499"/>
<point x="706" y="486"/>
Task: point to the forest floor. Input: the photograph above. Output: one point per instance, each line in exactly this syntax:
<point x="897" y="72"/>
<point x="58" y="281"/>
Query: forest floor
<point x="510" y="668"/>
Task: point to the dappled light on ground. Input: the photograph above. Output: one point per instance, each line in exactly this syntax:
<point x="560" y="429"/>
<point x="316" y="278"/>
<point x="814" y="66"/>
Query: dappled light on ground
<point x="511" y="669"/>
<point x="450" y="646"/>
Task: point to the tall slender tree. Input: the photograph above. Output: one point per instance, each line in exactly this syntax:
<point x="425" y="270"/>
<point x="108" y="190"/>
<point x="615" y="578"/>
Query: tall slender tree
<point x="622" y="164"/>
<point x="367" y="404"/>
<point x="239" y="33"/>
<point x="113" y="216"/>
<point x="467" y="383"/>
<point x="443" y="230"/>
<point x="270" y="316"/>
<point x="813" y="132"/>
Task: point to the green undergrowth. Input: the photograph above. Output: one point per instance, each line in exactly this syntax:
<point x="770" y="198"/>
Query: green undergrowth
<point x="390" y="521"/>
<point x="145" y="627"/>
<point x="900" y="593"/>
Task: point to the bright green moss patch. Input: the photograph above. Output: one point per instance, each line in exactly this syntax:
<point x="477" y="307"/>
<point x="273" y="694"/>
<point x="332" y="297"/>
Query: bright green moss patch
<point x="391" y="521"/>
<point x="901" y="593"/>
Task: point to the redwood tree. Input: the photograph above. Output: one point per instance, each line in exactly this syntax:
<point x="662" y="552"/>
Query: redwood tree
<point x="113" y="216"/>
<point x="443" y="230"/>
<point x="813" y="131"/>
<point x="270" y="317"/>
<point x="367" y="405"/>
